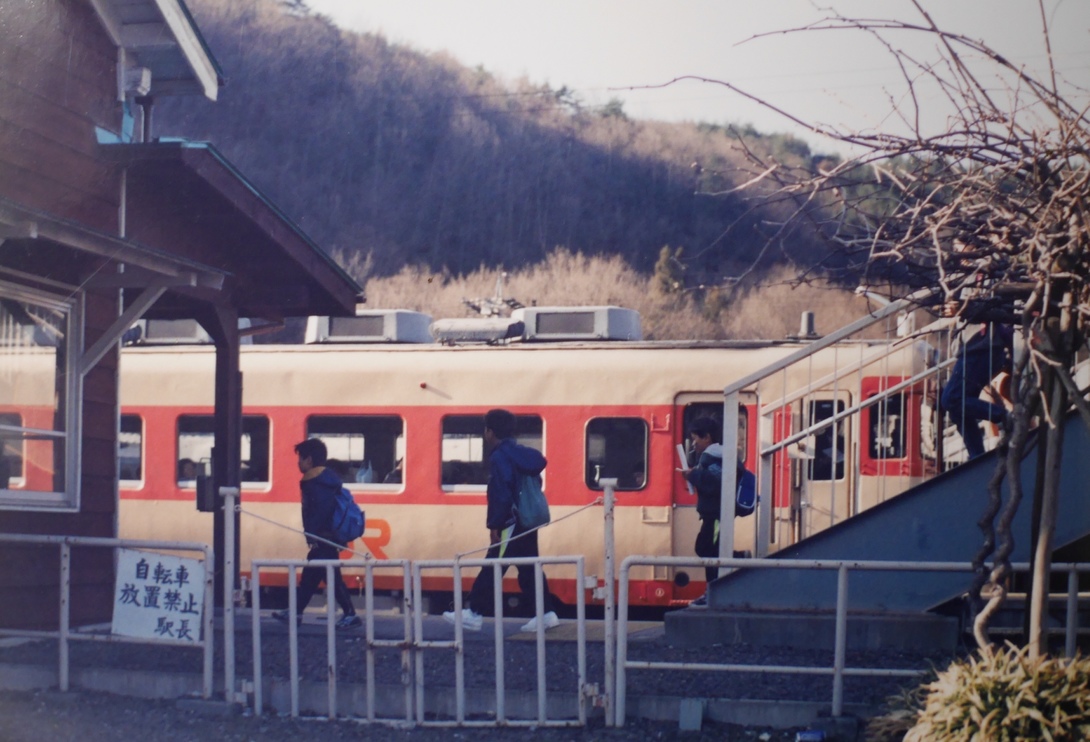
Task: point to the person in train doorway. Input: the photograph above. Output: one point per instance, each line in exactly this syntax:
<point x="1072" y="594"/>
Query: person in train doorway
<point x="706" y="477"/>
<point x="983" y="356"/>
<point x="319" y="488"/>
<point x="505" y="462"/>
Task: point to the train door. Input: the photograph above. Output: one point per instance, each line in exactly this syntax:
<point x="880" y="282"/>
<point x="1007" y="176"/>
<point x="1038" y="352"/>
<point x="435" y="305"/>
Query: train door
<point x="685" y="522"/>
<point x="826" y="476"/>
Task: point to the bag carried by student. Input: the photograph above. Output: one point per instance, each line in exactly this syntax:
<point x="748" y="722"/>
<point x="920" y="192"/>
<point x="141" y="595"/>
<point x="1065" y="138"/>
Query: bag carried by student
<point x="531" y="507"/>
<point x="348" y="519"/>
<point x="745" y="498"/>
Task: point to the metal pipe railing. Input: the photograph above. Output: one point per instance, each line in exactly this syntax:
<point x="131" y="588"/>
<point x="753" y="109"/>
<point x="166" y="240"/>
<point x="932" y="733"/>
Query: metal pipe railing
<point x="458" y="644"/>
<point x="65" y="634"/>
<point x="839" y="670"/>
<point x="369" y="566"/>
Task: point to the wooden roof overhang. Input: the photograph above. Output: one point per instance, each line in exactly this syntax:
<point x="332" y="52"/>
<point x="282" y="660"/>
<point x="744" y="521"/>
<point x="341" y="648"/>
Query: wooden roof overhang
<point x="187" y="196"/>
<point x="161" y="36"/>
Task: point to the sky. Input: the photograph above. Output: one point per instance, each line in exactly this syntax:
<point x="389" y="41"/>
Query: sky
<point x="603" y="49"/>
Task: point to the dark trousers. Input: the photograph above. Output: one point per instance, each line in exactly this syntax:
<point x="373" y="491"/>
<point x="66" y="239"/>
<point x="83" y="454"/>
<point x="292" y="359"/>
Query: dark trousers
<point x="966" y="415"/>
<point x="707" y="545"/>
<point x="315" y="576"/>
<point x="482" y="595"/>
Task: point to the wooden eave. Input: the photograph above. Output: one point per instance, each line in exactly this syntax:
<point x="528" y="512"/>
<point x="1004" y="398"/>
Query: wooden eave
<point x="27" y="232"/>
<point x="162" y="36"/>
<point x="188" y="193"/>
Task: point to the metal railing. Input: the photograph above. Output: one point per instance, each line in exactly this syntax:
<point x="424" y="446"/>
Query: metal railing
<point x="839" y="670"/>
<point x="778" y="434"/>
<point x="66" y="634"/>
<point x="498" y="566"/>
<point x="404" y="644"/>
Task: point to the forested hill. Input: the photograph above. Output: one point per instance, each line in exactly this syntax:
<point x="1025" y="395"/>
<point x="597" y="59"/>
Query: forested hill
<point x="375" y="148"/>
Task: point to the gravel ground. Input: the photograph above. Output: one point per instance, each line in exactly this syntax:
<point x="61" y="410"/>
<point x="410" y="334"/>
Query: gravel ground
<point x="94" y="716"/>
<point x="100" y="717"/>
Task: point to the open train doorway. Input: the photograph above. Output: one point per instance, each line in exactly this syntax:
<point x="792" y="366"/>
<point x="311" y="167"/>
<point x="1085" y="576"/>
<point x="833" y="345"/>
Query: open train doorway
<point x="685" y="522"/>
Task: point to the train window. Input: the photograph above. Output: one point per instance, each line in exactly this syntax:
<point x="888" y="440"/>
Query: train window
<point x="11" y="452"/>
<point x="195" y="437"/>
<point x="826" y="446"/>
<point x="714" y="410"/>
<point x="130" y="452"/>
<point x="463" y="460"/>
<point x="366" y="449"/>
<point x="617" y="447"/>
<point x="886" y="423"/>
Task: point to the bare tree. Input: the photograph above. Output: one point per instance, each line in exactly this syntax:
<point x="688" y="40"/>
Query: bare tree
<point x="994" y="207"/>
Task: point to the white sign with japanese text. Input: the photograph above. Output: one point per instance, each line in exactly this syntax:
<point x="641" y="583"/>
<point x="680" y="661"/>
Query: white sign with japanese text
<point x="158" y="596"/>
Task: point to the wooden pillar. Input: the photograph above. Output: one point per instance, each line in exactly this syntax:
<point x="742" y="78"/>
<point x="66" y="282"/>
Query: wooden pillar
<point x="222" y="324"/>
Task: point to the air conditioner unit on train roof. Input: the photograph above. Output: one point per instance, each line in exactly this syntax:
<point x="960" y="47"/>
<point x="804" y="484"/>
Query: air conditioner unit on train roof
<point x="579" y="323"/>
<point x="371" y="326"/>
<point x="476" y="330"/>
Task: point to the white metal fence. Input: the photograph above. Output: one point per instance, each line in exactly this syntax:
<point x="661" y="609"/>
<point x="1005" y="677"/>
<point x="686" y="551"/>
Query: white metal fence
<point x="413" y="644"/>
<point x="458" y="646"/>
<point x="838" y="670"/>
<point x="65" y="634"/>
<point x="404" y="644"/>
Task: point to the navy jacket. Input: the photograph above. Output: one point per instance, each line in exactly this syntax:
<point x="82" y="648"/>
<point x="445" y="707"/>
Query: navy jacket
<point x="508" y="459"/>
<point x="707" y="479"/>
<point x="320" y="491"/>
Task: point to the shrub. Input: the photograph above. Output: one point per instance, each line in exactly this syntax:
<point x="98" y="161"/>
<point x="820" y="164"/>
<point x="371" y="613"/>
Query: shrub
<point x="1001" y="695"/>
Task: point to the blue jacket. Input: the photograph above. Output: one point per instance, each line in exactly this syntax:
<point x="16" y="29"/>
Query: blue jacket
<point x="707" y="479"/>
<point x="980" y="359"/>
<point x="508" y="459"/>
<point x="320" y="487"/>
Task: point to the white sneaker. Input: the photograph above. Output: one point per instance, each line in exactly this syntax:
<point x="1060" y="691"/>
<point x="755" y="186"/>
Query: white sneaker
<point x="471" y="621"/>
<point x="550" y="618"/>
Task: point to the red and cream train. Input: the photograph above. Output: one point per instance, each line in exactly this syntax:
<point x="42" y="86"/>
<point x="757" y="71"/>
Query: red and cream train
<point x="405" y="418"/>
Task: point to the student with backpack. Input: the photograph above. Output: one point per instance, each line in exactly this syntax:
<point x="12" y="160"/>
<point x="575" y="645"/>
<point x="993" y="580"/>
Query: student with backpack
<point x="706" y="478"/>
<point x="325" y="516"/>
<point x="508" y="465"/>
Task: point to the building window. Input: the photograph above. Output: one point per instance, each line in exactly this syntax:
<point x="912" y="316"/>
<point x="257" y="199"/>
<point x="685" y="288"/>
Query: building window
<point x="39" y="399"/>
<point x="616" y="447"/>
<point x="130" y="449"/>
<point x="463" y="449"/>
<point x="196" y="434"/>
<point x="363" y="449"/>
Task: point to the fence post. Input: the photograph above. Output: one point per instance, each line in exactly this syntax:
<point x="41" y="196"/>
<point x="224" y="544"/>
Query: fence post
<point x="66" y="614"/>
<point x="229" y="495"/>
<point x="840" y="647"/>
<point x="609" y="486"/>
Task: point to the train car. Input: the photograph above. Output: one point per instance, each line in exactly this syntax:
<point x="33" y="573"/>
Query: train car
<point x="405" y="422"/>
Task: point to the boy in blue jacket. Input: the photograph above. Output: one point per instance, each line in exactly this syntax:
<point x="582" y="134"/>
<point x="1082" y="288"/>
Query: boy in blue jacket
<point x="319" y="489"/>
<point x="706" y="478"/>
<point x="507" y="460"/>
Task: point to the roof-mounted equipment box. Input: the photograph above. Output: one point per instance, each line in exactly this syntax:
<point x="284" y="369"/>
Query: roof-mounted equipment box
<point x="579" y="323"/>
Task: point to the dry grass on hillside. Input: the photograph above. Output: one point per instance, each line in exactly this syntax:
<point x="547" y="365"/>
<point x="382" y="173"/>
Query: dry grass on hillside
<point x="768" y="310"/>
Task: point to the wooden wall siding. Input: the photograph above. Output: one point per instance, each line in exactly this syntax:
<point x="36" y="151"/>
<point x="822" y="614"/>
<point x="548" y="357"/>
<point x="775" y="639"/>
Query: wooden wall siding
<point x="31" y="596"/>
<point x="98" y="493"/>
<point x="57" y="82"/>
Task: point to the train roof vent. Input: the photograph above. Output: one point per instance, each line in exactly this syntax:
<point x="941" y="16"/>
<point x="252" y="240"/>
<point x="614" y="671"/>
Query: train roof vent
<point x="175" y="332"/>
<point x="166" y="332"/>
<point x="579" y="323"/>
<point x="371" y="326"/>
<point x="476" y="330"/>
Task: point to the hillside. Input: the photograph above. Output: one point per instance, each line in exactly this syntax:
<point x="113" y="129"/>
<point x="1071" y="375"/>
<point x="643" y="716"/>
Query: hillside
<point x="389" y="157"/>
